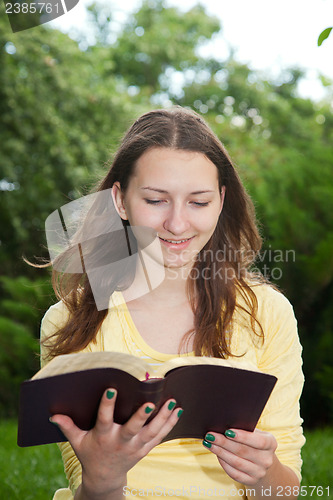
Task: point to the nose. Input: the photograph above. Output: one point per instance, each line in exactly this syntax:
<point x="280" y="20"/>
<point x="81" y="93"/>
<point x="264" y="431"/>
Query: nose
<point x="177" y="221"/>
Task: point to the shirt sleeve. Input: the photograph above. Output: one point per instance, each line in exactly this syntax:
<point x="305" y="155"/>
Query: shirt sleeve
<point x="53" y="320"/>
<point x="280" y="355"/>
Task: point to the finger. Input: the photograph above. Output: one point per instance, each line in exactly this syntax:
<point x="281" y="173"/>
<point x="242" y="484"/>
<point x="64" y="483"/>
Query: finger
<point x="218" y="442"/>
<point x="105" y="413"/>
<point x="257" y="439"/>
<point x="73" y="433"/>
<point x="133" y="426"/>
<point x="235" y="465"/>
<point x="162" y="423"/>
<point x="243" y="443"/>
<point x="236" y="474"/>
<point x="244" y="459"/>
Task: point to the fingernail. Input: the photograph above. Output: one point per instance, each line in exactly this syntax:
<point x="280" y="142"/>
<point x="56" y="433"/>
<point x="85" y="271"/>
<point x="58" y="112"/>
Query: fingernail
<point x="230" y="434"/>
<point x="205" y="443"/>
<point x="179" y="413"/>
<point x="209" y="437"/>
<point x="54" y="423"/>
<point x="148" y="409"/>
<point x="110" y="394"/>
<point x="171" y="405"/>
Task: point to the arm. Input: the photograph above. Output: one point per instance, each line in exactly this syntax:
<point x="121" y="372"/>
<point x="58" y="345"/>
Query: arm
<point x="270" y="457"/>
<point x="109" y="450"/>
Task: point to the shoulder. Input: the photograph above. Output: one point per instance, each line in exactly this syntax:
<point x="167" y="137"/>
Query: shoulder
<point x="54" y="318"/>
<point x="275" y="317"/>
<point x="270" y="299"/>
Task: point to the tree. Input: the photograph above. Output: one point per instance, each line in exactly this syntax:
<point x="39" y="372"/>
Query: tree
<point x="59" y="117"/>
<point x="156" y="40"/>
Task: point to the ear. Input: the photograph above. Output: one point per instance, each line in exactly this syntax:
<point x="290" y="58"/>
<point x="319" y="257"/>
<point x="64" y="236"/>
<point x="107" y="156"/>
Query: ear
<point x="118" y="200"/>
<point x="222" y="197"/>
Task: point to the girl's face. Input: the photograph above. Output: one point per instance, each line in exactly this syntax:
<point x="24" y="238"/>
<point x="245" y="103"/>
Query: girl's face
<point x="176" y="193"/>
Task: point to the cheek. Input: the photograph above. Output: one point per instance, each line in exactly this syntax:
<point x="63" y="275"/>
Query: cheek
<point x="206" y="222"/>
<point x="143" y="215"/>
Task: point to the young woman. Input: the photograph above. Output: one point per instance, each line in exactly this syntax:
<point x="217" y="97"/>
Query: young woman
<point x="172" y="175"/>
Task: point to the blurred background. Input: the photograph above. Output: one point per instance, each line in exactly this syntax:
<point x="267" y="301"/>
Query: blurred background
<point x="68" y="91"/>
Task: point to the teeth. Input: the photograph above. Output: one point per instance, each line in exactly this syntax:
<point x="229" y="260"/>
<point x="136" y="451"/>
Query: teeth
<point x="175" y="241"/>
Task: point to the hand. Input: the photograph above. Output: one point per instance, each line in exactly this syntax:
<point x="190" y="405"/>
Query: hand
<point x="245" y="456"/>
<point x="109" y="450"/>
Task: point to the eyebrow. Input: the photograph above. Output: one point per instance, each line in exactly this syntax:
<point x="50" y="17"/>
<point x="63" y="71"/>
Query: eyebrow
<point x="166" y="192"/>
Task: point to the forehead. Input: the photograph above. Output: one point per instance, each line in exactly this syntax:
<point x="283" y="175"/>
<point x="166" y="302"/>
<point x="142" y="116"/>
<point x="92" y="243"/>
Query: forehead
<point x="174" y="168"/>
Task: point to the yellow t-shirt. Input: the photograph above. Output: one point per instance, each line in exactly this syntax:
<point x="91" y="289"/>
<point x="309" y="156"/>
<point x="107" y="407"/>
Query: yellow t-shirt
<point x="184" y="468"/>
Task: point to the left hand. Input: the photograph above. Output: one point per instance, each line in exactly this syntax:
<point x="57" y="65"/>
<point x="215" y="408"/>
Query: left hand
<point x="246" y="457"/>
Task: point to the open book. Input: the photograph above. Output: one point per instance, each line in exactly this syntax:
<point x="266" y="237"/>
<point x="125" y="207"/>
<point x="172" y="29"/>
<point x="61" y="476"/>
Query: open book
<point x="215" y="394"/>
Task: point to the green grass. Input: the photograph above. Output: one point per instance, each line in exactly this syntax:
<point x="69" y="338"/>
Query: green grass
<point x="35" y="473"/>
<point x="28" y="473"/>
<point x="317" y="457"/>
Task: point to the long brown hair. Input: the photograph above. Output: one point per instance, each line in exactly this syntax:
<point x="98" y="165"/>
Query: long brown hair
<point x="221" y="272"/>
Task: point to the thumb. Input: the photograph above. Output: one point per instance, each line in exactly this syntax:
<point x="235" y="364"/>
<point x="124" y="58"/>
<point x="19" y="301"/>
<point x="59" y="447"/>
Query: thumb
<point x="68" y="428"/>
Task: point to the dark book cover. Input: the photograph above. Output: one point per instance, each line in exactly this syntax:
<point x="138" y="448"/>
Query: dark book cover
<point x="214" y="398"/>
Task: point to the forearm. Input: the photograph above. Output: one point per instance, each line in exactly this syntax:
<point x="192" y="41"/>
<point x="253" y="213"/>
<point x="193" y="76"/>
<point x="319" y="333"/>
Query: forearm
<point x="279" y="482"/>
<point x="87" y="491"/>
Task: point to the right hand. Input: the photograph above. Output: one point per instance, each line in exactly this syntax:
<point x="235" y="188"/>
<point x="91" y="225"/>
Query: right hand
<point x="109" y="450"/>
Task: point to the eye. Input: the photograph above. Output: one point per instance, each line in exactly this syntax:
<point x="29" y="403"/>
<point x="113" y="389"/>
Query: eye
<point x="202" y="204"/>
<point x="152" y="202"/>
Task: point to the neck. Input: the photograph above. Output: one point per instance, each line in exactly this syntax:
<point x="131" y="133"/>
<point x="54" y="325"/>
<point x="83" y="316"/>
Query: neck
<point x="157" y="284"/>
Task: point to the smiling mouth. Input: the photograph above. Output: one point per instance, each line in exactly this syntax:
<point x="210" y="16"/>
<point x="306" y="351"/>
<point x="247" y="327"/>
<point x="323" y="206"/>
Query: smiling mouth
<point x="176" y="242"/>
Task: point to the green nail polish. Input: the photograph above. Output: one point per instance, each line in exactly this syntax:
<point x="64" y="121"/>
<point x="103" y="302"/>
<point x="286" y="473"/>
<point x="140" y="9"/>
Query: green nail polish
<point x="171" y="405"/>
<point x="230" y="434"/>
<point x="110" y="394"/>
<point x="54" y="423"/>
<point x="209" y="437"/>
<point x="148" y="409"/>
<point x="179" y="413"/>
<point x="208" y="445"/>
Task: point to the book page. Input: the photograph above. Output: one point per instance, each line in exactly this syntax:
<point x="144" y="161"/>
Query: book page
<point x="68" y="363"/>
<point x="239" y="363"/>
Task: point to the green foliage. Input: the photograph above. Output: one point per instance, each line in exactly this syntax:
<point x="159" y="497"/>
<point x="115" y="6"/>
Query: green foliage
<point x="47" y="84"/>
<point x="16" y="360"/>
<point x="324" y="378"/>
<point x="156" y="39"/>
<point x="20" y="313"/>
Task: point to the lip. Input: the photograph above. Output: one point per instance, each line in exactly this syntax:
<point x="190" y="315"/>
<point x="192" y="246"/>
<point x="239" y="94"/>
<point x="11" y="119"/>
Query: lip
<point x="176" y="246"/>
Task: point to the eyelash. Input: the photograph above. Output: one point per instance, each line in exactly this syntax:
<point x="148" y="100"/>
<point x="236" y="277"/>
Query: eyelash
<point x="196" y="203"/>
<point x="203" y="204"/>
